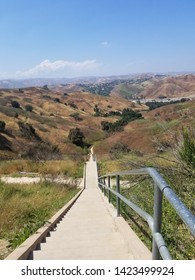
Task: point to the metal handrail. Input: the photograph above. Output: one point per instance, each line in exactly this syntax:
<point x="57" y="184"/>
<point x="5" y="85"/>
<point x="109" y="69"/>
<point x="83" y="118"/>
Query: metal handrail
<point x="159" y="247"/>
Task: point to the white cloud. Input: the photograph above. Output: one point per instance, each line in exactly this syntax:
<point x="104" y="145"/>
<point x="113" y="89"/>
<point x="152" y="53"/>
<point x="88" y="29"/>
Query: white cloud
<point x="62" y="67"/>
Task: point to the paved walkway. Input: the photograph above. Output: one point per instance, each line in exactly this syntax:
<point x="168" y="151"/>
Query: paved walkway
<point x="91" y="230"/>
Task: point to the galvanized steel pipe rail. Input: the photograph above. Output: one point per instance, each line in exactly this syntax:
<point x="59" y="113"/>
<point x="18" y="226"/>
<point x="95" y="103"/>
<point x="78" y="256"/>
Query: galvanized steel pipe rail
<point x="159" y="247"/>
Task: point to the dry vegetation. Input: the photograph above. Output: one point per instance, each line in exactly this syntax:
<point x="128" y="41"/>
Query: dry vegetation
<point x="151" y="141"/>
<point x="51" y="117"/>
<point x="157" y="141"/>
<point x="25" y="208"/>
<point x="156" y="133"/>
<point x="181" y="86"/>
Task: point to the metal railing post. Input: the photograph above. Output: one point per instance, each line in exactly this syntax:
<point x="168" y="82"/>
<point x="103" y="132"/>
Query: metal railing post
<point x="104" y="181"/>
<point x="99" y="183"/>
<point x="109" y="198"/>
<point x="159" y="246"/>
<point x="118" y="201"/>
<point x="157" y="220"/>
<point x="101" y="186"/>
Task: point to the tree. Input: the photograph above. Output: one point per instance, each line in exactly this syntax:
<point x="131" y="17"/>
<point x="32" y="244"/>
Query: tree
<point x="15" y="104"/>
<point x="2" y="126"/>
<point x="76" y="116"/>
<point x="106" y="125"/>
<point x="57" y="100"/>
<point x="76" y="136"/>
<point x="72" y="105"/>
<point x="42" y="151"/>
<point x="28" y="131"/>
<point x="130" y="115"/>
<point x="28" y="108"/>
<point x="97" y="110"/>
<point x="127" y="115"/>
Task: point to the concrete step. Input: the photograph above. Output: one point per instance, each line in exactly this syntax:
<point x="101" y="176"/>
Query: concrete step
<point x="88" y="223"/>
<point x="83" y="253"/>
<point x="91" y="231"/>
<point x="78" y="224"/>
<point x="82" y="241"/>
<point x="84" y="232"/>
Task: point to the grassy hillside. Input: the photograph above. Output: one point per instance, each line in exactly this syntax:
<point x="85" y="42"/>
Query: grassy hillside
<point x="156" y="133"/>
<point x="34" y="129"/>
<point x="156" y="86"/>
<point x="47" y="116"/>
<point x="25" y="208"/>
<point x="181" y="86"/>
<point x="156" y="141"/>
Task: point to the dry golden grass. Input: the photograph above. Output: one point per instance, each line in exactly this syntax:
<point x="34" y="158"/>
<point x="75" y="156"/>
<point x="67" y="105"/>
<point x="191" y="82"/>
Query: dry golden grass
<point x="137" y="135"/>
<point x="159" y="127"/>
<point x="68" y="167"/>
<point x="14" y="166"/>
<point x="55" y="129"/>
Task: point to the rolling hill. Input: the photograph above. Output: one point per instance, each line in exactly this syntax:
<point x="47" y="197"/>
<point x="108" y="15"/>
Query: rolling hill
<point x="46" y="116"/>
<point x="157" y="132"/>
<point x="171" y="87"/>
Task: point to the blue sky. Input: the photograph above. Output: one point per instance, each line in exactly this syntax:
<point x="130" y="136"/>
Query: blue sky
<point x="70" y="38"/>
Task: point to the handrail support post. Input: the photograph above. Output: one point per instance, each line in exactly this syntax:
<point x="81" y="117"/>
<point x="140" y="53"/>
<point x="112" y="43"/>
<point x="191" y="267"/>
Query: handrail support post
<point x="118" y="201"/>
<point x="157" y="220"/>
<point x="109" y="196"/>
<point x="104" y="182"/>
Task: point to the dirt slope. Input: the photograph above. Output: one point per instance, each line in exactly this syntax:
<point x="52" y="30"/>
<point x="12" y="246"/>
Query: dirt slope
<point x="172" y="87"/>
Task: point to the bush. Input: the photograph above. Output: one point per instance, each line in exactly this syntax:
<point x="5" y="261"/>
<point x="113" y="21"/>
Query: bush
<point x="42" y="151"/>
<point x="97" y="111"/>
<point x="119" y="149"/>
<point x="5" y="144"/>
<point x="57" y="100"/>
<point x="28" y="131"/>
<point x="127" y="116"/>
<point x="28" y="108"/>
<point x="130" y="115"/>
<point x="15" y="104"/>
<point x="76" y="136"/>
<point x="72" y="105"/>
<point x="2" y="126"/>
<point x="76" y="116"/>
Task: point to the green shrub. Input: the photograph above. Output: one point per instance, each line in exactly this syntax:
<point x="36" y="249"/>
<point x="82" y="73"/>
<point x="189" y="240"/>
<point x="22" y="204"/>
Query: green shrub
<point x="118" y="149"/>
<point x="187" y="150"/>
<point x="15" y="104"/>
<point x="76" y="136"/>
<point x="29" y="108"/>
<point x="2" y="126"/>
<point x="127" y="116"/>
<point x="76" y="116"/>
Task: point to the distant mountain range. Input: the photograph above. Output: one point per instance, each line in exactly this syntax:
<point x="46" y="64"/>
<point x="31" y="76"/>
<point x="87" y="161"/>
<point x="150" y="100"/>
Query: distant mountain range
<point x="39" y="82"/>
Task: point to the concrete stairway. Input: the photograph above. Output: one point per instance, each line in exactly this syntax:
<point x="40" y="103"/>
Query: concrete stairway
<point x="91" y="230"/>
